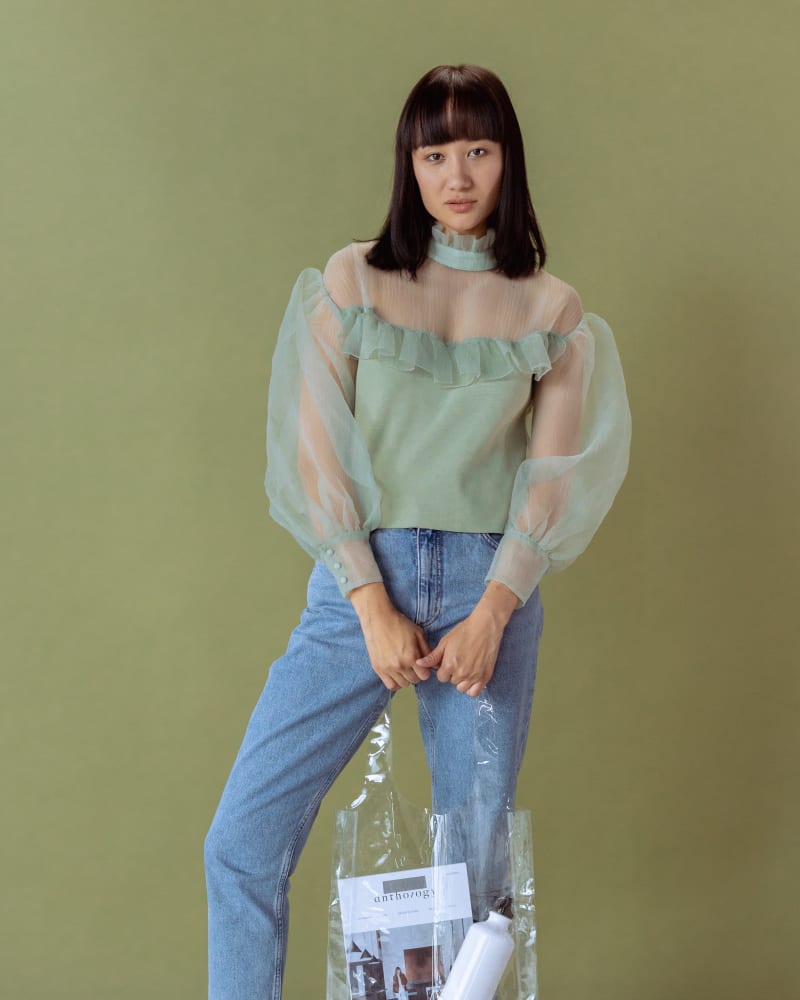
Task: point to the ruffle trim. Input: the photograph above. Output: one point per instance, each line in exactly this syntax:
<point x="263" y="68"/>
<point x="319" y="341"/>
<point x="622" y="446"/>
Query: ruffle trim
<point x="366" y="335"/>
<point x="469" y="243"/>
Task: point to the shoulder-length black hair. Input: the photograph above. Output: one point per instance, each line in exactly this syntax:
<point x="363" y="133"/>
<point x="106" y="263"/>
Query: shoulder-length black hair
<point x="447" y="104"/>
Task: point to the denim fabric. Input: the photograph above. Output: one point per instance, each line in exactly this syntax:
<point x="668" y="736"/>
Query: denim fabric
<point x="320" y="700"/>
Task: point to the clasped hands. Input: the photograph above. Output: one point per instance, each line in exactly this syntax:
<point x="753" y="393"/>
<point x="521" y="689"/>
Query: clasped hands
<point x="401" y="655"/>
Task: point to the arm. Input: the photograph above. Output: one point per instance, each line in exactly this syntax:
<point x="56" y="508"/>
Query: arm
<point x="577" y="457"/>
<point x="576" y="460"/>
<point x="319" y="474"/>
<point x="319" y="478"/>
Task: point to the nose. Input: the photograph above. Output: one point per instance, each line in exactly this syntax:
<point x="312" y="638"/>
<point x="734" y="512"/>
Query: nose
<point x="458" y="177"/>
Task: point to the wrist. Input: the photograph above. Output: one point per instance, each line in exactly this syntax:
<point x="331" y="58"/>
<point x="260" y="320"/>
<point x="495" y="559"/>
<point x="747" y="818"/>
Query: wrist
<point x="369" y="599"/>
<point x="498" y="601"/>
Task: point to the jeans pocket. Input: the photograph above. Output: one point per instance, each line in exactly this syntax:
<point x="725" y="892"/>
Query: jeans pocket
<point x="492" y="538"/>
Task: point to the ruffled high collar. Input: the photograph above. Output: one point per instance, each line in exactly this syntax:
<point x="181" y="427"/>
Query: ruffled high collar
<point x="468" y="253"/>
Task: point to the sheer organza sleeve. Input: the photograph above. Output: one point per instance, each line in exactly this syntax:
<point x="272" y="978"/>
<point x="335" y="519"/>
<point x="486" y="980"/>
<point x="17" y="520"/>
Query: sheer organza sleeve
<point x="577" y="457"/>
<point x="319" y="477"/>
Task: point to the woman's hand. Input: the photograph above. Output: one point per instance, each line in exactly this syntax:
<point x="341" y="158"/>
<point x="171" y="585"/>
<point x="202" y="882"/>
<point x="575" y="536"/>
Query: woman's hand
<point x="394" y="642"/>
<point x="467" y="654"/>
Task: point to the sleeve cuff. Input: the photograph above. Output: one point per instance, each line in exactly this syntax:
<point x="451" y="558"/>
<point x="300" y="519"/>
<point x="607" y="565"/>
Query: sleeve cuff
<point x="519" y="563"/>
<point x="351" y="561"/>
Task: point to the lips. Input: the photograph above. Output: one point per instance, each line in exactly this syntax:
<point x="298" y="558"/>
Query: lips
<point x="461" y="201"/>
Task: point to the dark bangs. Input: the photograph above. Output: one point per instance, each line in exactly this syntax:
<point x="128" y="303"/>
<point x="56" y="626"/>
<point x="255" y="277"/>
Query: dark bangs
<point x="446" y="113"/>
<point x="451" y="103"/>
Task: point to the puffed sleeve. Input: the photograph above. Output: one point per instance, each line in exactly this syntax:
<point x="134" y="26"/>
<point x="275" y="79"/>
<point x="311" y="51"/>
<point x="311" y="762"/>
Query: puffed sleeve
<point x="319" y="476"/>
<point x="577" y="457"/>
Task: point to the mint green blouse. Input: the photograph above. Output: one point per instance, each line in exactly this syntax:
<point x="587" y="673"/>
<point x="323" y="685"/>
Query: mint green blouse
<point x="389" y="407"/>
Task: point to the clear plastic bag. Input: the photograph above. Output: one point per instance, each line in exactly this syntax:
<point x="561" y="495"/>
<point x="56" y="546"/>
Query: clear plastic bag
<point x="407" y="883"/>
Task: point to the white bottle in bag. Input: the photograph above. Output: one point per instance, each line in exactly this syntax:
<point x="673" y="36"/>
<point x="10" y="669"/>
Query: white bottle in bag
<point x="482" y="958"/>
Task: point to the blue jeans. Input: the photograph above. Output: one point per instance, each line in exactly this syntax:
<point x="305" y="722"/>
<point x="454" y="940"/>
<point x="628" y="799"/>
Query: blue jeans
<point x="320" y="700"/>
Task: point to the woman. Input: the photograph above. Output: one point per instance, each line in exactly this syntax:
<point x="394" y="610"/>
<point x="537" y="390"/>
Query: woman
<point x="400" y="459"/>
<point x="399" y="984"/>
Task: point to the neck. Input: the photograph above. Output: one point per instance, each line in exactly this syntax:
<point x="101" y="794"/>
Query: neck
<point x="477" y="231"/>
<point x="463" y="251"/>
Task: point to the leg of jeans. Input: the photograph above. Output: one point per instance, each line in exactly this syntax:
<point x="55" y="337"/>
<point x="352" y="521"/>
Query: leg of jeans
<point x="475" y="746"/>
<point x="318" y="704"/>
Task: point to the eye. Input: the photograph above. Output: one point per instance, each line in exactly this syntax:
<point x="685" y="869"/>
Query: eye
<point x="428" y="157"/>
<point x="478" y="149"/>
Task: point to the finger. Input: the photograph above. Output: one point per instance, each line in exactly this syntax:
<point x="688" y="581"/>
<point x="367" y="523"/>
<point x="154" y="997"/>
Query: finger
<point x="475" y="690"/>
<point x="424" y="645"/>
<point x="397" y="677"/>
<point x="432" y="659"/>
<point x="421" y="673"/>
<point x="465" y="682"/>
<point x="424" y="649"/>
<point x="458" y="673"/>
<point x="408" y="675"/>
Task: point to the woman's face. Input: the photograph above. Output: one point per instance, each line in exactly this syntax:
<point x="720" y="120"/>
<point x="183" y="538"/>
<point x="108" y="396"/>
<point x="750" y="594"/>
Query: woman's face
<point x="460" y="182"/>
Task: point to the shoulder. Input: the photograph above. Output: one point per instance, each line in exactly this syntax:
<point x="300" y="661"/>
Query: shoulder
<point x="344" y="273"/>
<point x="555" y="301"/>
<point x="349" y="257"/>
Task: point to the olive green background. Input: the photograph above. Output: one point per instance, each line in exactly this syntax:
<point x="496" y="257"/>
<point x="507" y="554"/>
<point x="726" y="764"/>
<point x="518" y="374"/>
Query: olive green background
<point x="167" y="170"/>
